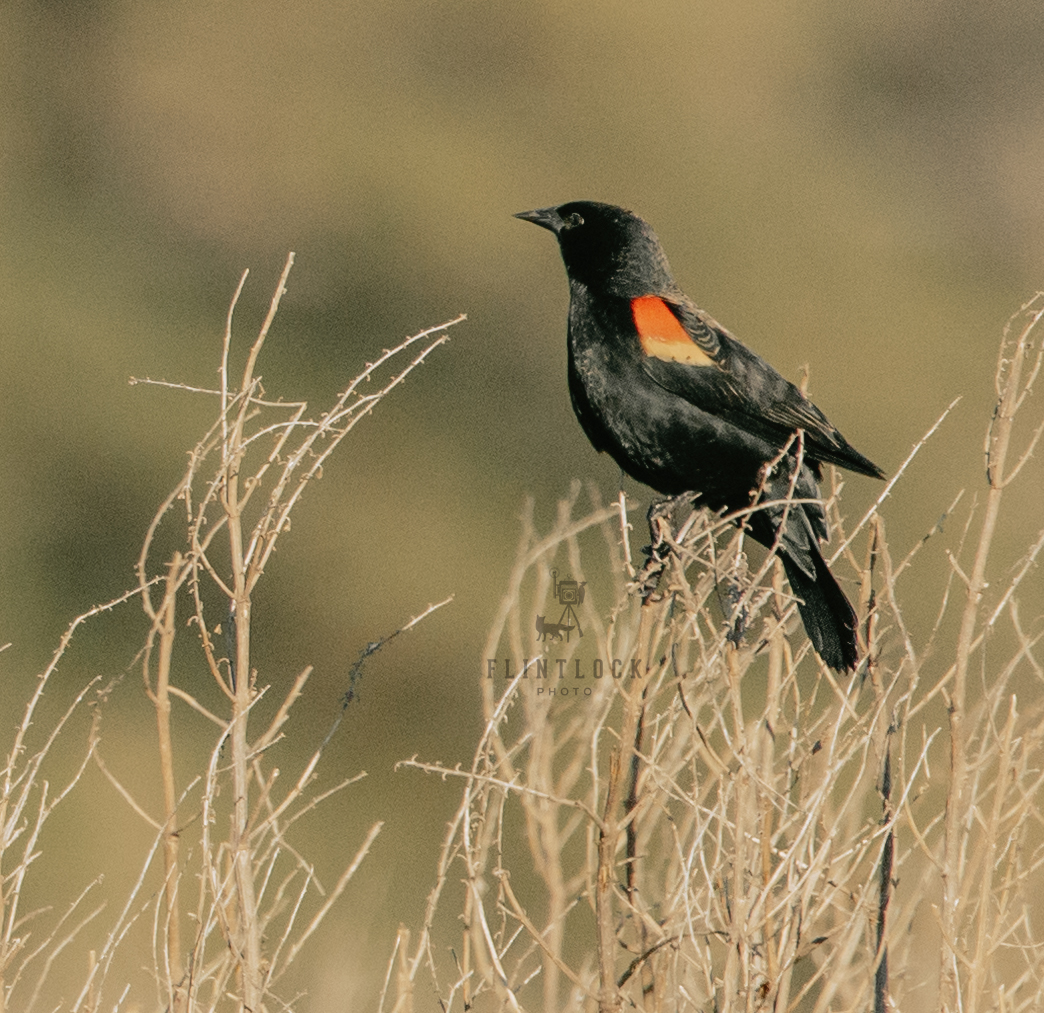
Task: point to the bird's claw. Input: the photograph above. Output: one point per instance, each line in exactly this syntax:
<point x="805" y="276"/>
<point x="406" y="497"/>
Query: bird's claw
<point x="662" y="545"/>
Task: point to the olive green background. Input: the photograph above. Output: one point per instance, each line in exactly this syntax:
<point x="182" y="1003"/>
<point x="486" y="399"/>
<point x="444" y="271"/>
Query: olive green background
<point x="856" y="187"/>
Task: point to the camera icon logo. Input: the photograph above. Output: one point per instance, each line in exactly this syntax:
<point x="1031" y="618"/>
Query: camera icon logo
<point x="568" y="593"/>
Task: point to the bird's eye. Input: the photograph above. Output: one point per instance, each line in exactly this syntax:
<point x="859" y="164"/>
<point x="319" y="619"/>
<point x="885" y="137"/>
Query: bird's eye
<point x="573" y="221"/>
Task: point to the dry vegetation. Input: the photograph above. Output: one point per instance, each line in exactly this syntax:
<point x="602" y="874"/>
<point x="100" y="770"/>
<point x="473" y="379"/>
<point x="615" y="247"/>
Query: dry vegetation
<point x="699" y="817"/>
<point x="729" y="827"/>
<point x="233" y="916"/>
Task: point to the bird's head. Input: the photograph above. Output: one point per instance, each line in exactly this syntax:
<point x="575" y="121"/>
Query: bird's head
<point x="606" y="248"/>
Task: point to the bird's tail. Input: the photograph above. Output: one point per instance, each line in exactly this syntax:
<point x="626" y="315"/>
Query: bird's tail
<point x="829" y="618"/>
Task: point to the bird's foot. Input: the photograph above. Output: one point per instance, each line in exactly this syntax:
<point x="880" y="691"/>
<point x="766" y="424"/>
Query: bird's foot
<point x="647" y="578"/>
<point x="736" y="613"/>
<point x="662" y="544"/>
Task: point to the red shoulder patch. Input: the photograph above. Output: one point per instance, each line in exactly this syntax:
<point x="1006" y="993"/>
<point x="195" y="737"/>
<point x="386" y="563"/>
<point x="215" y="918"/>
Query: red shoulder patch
<point x="662" y="335"/>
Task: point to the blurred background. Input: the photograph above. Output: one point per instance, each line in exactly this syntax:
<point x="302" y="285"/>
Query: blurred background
<point x="855" y="187"/>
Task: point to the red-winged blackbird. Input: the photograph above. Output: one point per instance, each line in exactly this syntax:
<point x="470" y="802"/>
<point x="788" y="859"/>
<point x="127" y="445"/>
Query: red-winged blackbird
<point x="684" y="407"/>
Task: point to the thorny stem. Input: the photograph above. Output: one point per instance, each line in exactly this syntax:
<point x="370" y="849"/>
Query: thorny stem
<point x="738" y="970"/>
<point x="884" y="891"/>
<point x="630" y="805"/>
<point x="233" y="450"/>
<point x="997" y="443"/>
<point x="165" y="620"/>
<point x="767" y="759"/>
<point x="609" y="998"/>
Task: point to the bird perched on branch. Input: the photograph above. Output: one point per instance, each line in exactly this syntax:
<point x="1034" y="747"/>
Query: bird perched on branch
<point x="684" y="407"/>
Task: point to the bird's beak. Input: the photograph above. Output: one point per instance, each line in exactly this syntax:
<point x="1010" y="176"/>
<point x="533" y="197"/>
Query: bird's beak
<point x="546" y="218"/>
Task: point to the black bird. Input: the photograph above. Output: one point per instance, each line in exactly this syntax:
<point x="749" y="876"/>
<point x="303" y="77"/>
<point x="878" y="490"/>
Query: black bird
<point x="684" y="407"/>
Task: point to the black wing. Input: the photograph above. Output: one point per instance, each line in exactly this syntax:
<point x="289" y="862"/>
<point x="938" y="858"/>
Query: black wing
<point x="746" y="391"/>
